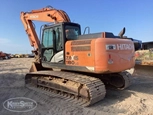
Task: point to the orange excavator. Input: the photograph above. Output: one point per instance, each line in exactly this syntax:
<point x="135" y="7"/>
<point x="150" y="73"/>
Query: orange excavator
<point x="74" y="66"/>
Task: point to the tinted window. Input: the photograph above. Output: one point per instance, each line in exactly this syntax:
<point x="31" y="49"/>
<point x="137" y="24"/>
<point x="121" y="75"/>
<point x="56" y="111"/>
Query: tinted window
<point x="59" y="40"/>
<point x="47" y="38"/>
<point x="71" y="32"/>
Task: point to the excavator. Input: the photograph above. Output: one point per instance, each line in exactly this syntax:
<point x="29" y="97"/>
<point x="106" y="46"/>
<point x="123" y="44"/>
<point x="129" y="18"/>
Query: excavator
<point x="76" y="67"/>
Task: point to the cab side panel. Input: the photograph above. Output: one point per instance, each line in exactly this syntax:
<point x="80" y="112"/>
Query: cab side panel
<point x="80" y="53"/>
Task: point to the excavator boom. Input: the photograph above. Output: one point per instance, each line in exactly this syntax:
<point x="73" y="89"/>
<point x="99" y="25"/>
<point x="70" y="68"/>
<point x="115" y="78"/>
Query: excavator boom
<point x="48" y="14"/>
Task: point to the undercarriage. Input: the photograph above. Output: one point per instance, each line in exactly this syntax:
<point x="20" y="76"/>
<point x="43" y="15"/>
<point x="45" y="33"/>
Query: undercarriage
<point x="79" y="88"/>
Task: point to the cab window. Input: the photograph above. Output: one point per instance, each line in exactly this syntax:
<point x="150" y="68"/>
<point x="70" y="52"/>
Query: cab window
<point x="59" y="38"/>
<point x="71" y="32"/>
<point x="47" y="38"/>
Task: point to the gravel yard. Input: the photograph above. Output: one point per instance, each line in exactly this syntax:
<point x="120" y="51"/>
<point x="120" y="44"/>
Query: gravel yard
<point x="135" y="100"/>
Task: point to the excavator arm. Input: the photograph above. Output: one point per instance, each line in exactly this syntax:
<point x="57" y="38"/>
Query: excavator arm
<point x="48" y="14"/>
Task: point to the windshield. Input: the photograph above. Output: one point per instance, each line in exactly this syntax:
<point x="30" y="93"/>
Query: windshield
<point x="72" y="32"/>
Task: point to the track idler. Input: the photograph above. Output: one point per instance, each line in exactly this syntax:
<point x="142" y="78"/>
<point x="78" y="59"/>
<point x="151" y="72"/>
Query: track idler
<point x="120" y="80"/>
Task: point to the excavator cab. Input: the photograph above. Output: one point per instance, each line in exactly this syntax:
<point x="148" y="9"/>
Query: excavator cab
<point x="54" y="38"/>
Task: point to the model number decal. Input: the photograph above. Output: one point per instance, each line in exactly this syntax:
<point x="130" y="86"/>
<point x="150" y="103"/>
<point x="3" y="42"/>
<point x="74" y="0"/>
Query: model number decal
<point x="73" y="57"/>
<point x="72" y="60"/>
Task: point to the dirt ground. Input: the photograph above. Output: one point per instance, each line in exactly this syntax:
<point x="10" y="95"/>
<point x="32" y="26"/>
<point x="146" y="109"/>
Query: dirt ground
<point x="135" y="100"/>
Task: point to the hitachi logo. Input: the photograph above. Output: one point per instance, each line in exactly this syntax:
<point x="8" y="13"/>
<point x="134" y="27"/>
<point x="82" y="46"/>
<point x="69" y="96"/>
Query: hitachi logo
<point x="34" y="16"/>
<point x="125" y="46"/>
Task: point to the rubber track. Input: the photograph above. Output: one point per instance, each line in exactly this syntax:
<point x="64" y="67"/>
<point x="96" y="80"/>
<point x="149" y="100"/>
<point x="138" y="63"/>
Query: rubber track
<point x="96" y="87"/>
<point x="127" y="79"/>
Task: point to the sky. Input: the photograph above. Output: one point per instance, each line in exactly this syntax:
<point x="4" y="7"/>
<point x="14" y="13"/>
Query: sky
<point x="100" y="15"/>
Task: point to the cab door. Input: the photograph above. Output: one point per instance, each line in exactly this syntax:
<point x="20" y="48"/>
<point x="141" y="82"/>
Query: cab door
<point x="47" y="47"/>
<point x="52" y="44"/>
